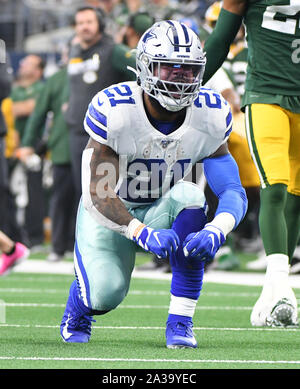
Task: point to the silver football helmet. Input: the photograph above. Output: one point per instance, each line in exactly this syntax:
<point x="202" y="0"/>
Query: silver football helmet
<point x="170" y="64"/>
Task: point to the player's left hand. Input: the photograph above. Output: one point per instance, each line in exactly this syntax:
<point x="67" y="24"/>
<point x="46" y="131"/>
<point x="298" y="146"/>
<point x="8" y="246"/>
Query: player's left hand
<point x="204" y="244"/>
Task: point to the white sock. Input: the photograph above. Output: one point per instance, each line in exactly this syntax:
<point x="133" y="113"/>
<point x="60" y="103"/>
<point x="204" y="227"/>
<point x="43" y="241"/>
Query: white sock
<point x="277" y="270"/>
<point x="277" y="263"/>
<point x="277" y="276"/>
<point x="276" y="286"/>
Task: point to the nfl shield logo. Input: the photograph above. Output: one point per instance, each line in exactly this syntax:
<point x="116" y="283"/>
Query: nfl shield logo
<point x="165" y="142"/>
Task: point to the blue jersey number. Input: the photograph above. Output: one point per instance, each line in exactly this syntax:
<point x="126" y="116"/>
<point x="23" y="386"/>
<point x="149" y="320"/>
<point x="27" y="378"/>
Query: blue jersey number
<point x="124" y="91"/>
<point x="211" y="100"/>
<point x="146" y="177"/>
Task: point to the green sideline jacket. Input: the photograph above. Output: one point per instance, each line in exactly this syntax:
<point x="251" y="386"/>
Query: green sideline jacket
<point x="20" y="93"/>
<point x="52" y="97"/>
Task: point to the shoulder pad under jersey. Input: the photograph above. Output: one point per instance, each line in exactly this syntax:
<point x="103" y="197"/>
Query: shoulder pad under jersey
<point x="212" y="113"/>
<point x="106" y="113"/>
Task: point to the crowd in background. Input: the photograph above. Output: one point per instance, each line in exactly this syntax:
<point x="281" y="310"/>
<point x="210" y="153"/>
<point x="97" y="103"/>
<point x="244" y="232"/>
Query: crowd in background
<point x="53" y="78"/>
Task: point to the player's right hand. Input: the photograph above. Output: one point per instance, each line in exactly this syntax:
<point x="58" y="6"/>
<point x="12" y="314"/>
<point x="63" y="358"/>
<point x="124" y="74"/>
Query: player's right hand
<point x="159" y="242"/>
<point x="162" y="242"/>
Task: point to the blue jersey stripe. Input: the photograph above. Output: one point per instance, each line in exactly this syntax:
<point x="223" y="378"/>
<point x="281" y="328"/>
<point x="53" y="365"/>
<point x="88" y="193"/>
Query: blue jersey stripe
<point x="100" y="117"/>
<point x="227" y="133"/>
<point x="228" y="119"/>
<point x="97" y="130"/>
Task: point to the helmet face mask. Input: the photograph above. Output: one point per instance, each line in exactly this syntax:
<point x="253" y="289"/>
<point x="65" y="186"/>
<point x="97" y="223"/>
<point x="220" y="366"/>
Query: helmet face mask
<point x="170" y="64"/>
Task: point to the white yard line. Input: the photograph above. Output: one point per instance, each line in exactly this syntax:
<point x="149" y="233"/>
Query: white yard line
<point x="32" y="290"/>
<point x="134" y="292"/>
<point x="216" y="276"/>
<point x="198" y="361"/>
<point x="125" y="306"/>
<point x="153" y="328"/>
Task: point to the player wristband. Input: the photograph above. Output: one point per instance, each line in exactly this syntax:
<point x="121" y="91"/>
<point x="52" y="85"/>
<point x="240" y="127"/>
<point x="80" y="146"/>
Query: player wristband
<point x="224" y="222"/>
<point x="134" y="229"/>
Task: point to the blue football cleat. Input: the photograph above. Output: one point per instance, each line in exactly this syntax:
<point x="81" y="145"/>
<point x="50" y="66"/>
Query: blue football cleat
<point x="179" y="334"/>
<point x="75" y="326"/>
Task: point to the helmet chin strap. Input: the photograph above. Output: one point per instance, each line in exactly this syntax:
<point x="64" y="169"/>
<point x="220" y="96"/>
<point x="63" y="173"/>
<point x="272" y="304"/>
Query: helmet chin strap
<point x="171" y="108"/>
<point x="161" y="105"/>
<point x="169" y="104"/>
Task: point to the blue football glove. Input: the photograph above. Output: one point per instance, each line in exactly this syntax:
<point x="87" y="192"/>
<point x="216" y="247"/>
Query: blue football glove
<point x="204" y="244"/>
<point x="162" y="242"/>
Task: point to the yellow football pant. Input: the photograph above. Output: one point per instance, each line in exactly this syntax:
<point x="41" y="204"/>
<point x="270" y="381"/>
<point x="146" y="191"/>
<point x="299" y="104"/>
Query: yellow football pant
<point x="273" y="135"/>
<point x="239" y="149"/>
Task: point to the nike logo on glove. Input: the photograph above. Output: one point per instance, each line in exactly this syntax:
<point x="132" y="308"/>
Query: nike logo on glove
<point x="67" y="334"/>
<point x="211" y="236"/>
<point x="155" y="234"/>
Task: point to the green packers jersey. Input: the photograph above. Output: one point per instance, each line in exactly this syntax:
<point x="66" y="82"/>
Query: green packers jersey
<point x="273" y="36"/>
<point x="236" y="68"/>
<point x="20" y="93"/>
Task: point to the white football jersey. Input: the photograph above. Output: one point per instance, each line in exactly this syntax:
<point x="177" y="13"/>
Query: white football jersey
<point x="150" y="161"/>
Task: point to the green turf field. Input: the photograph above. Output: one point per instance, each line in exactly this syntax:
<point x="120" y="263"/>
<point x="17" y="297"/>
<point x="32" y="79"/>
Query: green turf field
<point x="132" y="336"/>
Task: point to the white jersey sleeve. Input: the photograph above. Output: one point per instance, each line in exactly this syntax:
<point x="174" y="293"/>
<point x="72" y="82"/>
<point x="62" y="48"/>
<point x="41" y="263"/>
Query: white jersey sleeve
<point x="212" y="117"/>
<point x="222" y="121"/>
<point x="98" y="123"/>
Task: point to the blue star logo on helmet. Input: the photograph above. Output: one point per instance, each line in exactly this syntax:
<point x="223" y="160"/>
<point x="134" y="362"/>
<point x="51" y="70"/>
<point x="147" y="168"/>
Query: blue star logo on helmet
<point x="149" y="35"/>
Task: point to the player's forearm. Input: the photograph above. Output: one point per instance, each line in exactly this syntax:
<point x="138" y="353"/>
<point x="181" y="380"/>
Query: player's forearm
<point x="235" y="6"/>
<point x="36" y="122"/>
<point x="108" y="204"/>
<point x="223" y="177"/>
<point x="33" y="130"/>
<point x="23" y="108"/>
<point x="99" y="177"/>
